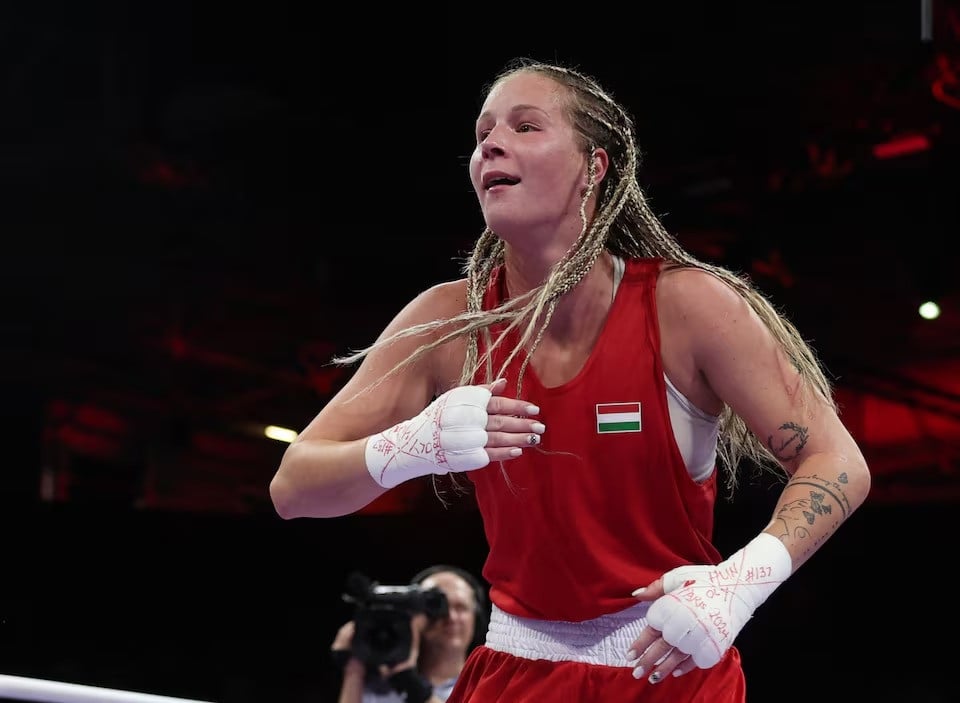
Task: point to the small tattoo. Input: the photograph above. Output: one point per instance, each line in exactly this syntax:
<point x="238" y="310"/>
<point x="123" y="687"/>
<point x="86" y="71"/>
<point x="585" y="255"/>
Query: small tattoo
<point x="832" y="487"/>
<point x="797" y="517"/>
<point x="825" y="500"/>
<point x="794" y="440"/>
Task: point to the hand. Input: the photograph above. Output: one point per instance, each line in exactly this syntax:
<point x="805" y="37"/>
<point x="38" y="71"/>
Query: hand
<point x="418" y="623"/>
<point x="344" y="639"/>
<point x="697" y="611"/>
<point x="342" y="651"/>
<point x="464" y="429"/>
<point x="508" y="426"/>
<point x="404" y="678"/>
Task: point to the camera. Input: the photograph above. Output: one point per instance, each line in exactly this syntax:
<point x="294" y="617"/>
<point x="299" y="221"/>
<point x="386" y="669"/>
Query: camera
<point x="382" y="618"/>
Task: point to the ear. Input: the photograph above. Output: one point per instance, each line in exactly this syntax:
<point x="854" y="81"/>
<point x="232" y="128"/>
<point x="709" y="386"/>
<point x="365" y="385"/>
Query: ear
<point x="601" y="162"/>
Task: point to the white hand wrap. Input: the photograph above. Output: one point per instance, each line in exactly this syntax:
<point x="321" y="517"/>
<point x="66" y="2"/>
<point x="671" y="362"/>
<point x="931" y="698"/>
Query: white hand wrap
<point x="705" y="607"/>
<point x="449" y="435"/>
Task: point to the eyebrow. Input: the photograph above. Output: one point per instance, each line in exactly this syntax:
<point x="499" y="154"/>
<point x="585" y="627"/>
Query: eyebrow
<point x="516" y="108"/>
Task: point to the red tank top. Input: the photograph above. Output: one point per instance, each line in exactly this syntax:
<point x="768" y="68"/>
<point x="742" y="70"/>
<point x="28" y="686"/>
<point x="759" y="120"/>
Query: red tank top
<point x="606" y="504"/>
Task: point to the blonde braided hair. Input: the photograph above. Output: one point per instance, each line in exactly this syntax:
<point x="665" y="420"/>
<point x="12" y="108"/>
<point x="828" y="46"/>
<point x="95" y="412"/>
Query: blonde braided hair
<point x="625" y="226"/>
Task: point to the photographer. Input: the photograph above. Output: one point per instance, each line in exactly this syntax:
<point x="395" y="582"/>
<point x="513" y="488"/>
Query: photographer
<point x="438" y="646"/>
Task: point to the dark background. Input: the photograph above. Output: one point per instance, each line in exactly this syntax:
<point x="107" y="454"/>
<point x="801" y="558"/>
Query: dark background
<point x="202" y="202"/>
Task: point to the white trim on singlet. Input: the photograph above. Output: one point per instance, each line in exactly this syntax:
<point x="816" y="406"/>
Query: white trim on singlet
<point x="603" y="641"/>
<point x="695" y="431"/>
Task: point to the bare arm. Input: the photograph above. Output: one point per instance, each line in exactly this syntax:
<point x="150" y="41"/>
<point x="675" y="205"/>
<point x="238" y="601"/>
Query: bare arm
<point x="731" y="357"/>
<point x="370" y="436"/>
<point x="745" y="367"/>
<point x="351" y="688"/>
<point x="353" y="684"/>
<point x="323" y="473"/>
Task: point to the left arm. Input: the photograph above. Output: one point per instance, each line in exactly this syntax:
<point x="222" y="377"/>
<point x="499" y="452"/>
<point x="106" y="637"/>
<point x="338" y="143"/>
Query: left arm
<point x="745" y="367"/>
<point x="699" y="610"/>
<point x="405" y="678"/>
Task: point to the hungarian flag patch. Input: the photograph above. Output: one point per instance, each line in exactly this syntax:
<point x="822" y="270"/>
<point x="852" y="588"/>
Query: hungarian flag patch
<point x="618" y="417"/>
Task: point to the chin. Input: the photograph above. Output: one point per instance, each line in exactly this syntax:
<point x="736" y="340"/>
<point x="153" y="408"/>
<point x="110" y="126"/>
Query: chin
<point x="509" y="229"/>
<point x="503" y="216"/>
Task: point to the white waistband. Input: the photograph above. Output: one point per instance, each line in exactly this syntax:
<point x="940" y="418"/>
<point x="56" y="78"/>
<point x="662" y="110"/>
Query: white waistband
<point x="604" y="640"/>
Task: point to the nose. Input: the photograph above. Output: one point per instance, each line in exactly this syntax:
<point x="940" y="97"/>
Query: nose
<point x="491" y="146"/>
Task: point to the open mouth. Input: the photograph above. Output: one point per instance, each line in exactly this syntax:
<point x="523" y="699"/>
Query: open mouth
<point x="494" y="181"/>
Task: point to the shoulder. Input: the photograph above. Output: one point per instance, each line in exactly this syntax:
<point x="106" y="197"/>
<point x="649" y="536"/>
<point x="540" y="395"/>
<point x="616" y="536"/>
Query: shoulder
<point x="695" y="309"/>
<point x="426" y="316"/>
<point x="439" y="301"/>
<point x="708" y="323"/>
<point x="443" y="299"/>
<point x="699" y="297"/>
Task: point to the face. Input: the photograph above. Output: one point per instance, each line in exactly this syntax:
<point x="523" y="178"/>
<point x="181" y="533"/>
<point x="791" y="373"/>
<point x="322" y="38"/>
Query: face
<point x="527" y="169"/>
<point x="456" y="630"/>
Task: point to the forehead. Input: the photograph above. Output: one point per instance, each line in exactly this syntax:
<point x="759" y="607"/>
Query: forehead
<point x="526" y="88"/>
<point x="450" y="584"/>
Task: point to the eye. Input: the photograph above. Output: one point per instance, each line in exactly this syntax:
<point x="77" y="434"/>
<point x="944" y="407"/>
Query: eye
<point x="481" y="135"/>
<point x="526" y="127"/>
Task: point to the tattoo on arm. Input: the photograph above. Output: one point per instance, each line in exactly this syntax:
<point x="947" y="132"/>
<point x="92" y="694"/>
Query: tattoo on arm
<point x="787" y="444"/>
<point x="826" y="499"/>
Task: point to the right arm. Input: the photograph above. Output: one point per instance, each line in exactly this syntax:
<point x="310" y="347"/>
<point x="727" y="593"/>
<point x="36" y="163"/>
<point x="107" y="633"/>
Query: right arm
<point x="403" y="677"/>
<point x="325" y="472"/>
<point x="351" y="688"/>
<point x="354" y="671"/>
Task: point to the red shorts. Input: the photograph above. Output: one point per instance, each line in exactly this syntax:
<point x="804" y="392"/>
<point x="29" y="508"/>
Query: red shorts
<point x="496" y="677"/>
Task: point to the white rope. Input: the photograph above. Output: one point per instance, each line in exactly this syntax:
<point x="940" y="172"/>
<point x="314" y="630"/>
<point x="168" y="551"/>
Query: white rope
<point x="26" y="689"/>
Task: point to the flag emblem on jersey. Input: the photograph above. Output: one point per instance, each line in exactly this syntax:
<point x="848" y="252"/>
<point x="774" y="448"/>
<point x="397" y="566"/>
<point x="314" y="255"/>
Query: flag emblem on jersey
<point x="618" y="417"/>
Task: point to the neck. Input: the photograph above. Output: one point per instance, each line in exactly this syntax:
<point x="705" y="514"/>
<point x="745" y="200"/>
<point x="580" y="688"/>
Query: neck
<point x="527" y="270"/>
<point x="532" y="253"/>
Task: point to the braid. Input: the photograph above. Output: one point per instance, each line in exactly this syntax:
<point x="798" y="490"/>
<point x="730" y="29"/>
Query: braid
<point x="623" y="224"/>
<point x="487" y="255"/>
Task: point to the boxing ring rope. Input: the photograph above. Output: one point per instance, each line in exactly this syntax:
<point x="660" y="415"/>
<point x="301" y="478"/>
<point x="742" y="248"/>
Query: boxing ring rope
<point x="21" y="688"/>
